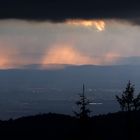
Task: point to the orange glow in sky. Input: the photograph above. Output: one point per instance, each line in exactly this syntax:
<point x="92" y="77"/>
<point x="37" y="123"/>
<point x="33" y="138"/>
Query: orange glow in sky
<point x="98" y="24"/>
<point x="59" y="53"/>
<point x="111" y="57"/>
<point x="9" y="57"/>
<point x="3" y="62"/>
<point x="66" y="54"/>
<point x="5" y="57"/>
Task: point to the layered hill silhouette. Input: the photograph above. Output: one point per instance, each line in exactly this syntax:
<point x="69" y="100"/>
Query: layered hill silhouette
<point x="116" y="126"/>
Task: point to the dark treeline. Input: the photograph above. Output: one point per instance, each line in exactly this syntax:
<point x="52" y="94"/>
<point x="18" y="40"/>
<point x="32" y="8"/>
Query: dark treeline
<point x="116" y="126"/>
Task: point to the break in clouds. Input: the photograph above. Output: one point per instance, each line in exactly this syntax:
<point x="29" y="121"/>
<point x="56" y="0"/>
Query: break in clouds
<point x="24" y="43"/>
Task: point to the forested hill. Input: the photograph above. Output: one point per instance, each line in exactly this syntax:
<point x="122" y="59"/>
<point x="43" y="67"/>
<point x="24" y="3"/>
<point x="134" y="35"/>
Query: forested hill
<point x="116" y="126"/>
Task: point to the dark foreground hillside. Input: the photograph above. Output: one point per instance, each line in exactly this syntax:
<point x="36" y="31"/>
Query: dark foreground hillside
<point x="116" y="126"/>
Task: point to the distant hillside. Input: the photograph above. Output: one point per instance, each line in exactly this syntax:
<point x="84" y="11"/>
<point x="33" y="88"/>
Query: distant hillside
<point x="32" y="90"/>
<point x="70" y="76"/>
<point x="121" y="125"/>
<point x="135" y="60"/>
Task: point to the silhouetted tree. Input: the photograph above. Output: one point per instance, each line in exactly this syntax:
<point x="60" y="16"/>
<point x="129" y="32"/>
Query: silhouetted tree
<point x="127" y="97"/>
<point x="136" y="102"/>
<point x="127" y="100"/>
<point x="121" y="102"/>
<point x="83" y="103"/>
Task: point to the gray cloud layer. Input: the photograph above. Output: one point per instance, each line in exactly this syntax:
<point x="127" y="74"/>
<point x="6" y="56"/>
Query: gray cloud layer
<point x="24" y="43"/>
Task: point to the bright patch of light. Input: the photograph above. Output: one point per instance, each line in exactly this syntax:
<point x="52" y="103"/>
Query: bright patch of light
<point x="98" y="24"/>
<point x="66" y="54"/>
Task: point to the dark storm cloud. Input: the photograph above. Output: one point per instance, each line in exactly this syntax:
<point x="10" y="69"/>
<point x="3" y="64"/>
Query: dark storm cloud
<point x="60" y="10"/>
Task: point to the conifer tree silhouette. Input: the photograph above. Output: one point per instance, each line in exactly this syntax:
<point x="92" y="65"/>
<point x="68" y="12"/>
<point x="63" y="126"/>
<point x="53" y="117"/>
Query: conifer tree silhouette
<point x="136" y="102"/>
<point x="83" y="103"/>
<point x="127" y="97"/>
<point x="128" y="101"/>
<point x="121" y="101"/>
